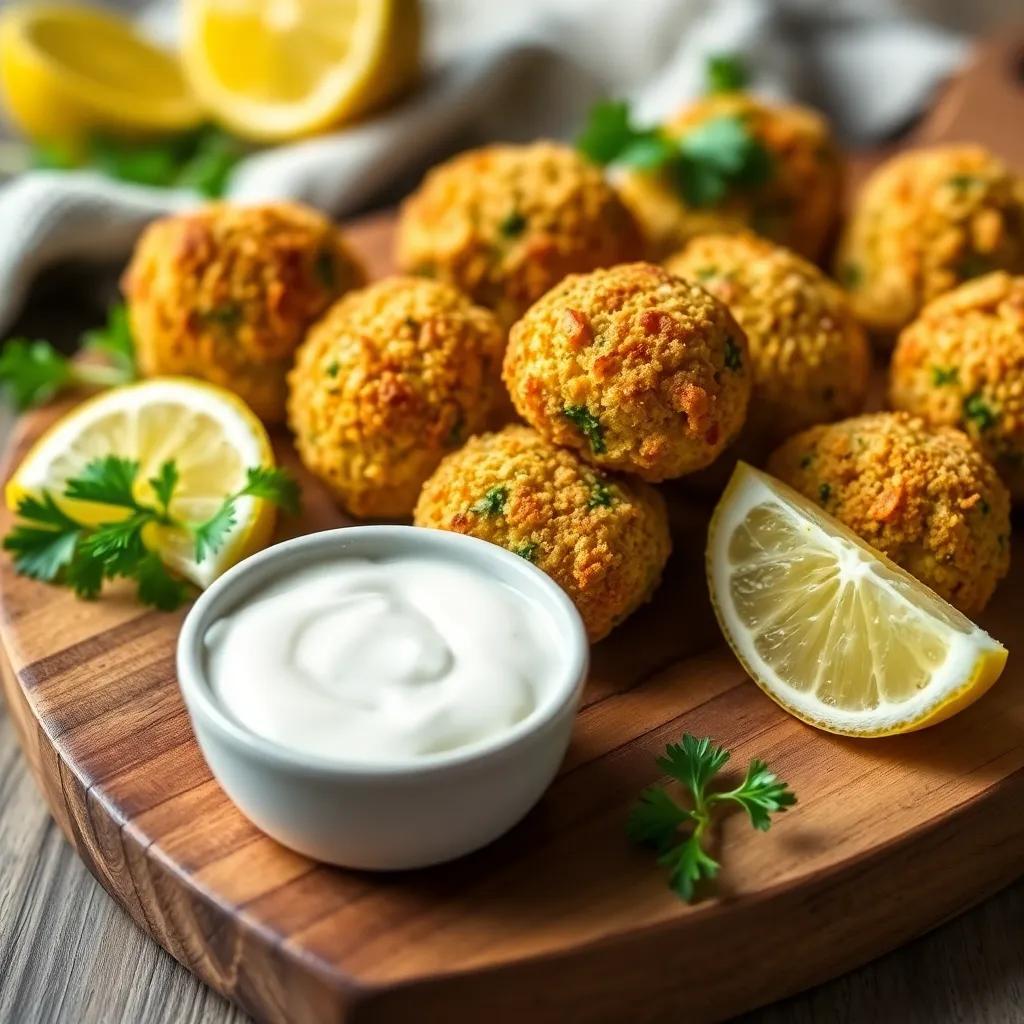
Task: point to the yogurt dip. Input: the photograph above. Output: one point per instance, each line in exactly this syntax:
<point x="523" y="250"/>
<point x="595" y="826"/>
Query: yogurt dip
<point x="383" y="660"/>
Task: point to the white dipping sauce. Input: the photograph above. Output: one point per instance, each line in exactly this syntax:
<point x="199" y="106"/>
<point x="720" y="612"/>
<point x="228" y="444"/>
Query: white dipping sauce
<point x="382" y="661"/>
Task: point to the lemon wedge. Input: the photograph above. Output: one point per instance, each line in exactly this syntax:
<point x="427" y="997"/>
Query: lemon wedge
<point x="67" y="71"/>
<point x="279" y="69"/>
<point x="831" y="629"/>
<point x="211" y="435"/>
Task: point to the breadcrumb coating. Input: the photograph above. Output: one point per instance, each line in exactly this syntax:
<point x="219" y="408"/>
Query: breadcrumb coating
<point x="227" y="292"/>
<point x="392" y="378"/>
<point x="810" y="358"/>
<point x="604" y="539"/>
<point x="925" y="222"/>
<point x="505" y="223"/>
<point x="635" y="368"/>
<point x="961" y="364"/>
<point x="797" y="206"/>
<point x="925" y="497"/>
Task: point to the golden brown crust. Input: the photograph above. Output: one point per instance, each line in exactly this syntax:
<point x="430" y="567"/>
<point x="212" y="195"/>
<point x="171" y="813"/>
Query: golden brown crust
<point x="393" y="377"/>
<point x="925" y="222"/>
<point x="810" y="357"/>
<point x="505" y="223"/>
<point x="797" y="205"/>
<point x="226" y="293"/>
<point x="604" y="539"/>
<point x="925" y="497"/>
<point x="961" y="364"/>
<point x="636" y="369"/>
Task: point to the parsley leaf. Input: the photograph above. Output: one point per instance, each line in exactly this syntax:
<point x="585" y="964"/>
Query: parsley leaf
<point x="513" y="225"/>
<point x="109" y="480"/>
<point x="528" y="550"/>
<point x="49" y="543"/>
<point x="658" y="821"/>
<point x="725" y="73"/>
<point x="979" y="412"/>
<point x="717" y="156"/>
<point x="588" y="424"/>
<point x="114" y="340"/>
<point x="942" y="375"/>
<point x="32" y="372"/>
<point x="601" y="495"/>
<point x="733" y="355"/>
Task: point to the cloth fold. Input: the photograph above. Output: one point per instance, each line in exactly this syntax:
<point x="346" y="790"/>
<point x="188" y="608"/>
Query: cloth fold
<point x="498" y="71"/>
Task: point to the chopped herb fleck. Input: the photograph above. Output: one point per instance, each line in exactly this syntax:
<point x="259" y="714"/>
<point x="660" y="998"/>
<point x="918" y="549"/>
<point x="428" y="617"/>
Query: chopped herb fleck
<point x="962" y="182"/>
<point x="228" y="315"/>
<point x="492" y="503"/>
<point x="824" y="493"/>
<point x="806" y="461"/>
<point x="601" y="495"/>
<point x="706" y="273"/>
<point x="851" y="275"/>
<point x="943" y="375"/>
<point x="733" y="355"/>
<point x="725" y="73"/>
<point x="332" y="368"/>
<point x="323" y="267"/>
<point x="979" y="412"/>
<point x="527" y="551"/>
<point x="588" y="424"/>
<point x="513" y="225"/>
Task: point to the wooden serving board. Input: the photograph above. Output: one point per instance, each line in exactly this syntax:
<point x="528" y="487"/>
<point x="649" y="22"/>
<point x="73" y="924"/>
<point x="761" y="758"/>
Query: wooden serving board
<point x="561" y="920"/>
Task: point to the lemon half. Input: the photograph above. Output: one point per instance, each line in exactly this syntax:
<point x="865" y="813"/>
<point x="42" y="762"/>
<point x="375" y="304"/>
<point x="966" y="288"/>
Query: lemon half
<point x="831" y="629"/>
<point x="278" y="69"/>
<point x="210" y="434"/>
<point x="68" y="71"/>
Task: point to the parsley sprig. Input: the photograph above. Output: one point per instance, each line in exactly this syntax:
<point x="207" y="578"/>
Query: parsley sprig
<point x="676" y="832"/>
<point x="34" y="372"/>
<point x="50" y="544"/>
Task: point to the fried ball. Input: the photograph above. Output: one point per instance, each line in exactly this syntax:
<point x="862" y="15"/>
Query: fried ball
<point x="924" y="496"/>
<point x="637" y="369"/>
<point x="505" y="223"/>
<point x="961" y="364"/>
<point x="227" y="292"/>
<point x="604" y="539"/>
<point x="810" y="359"/>
<point x="393" y="377"/>
<point x="789" y="192"/>
<point x="925" y="222"/>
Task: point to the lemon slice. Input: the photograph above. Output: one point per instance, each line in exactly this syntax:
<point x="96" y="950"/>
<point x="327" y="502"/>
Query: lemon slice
<point x="67" y="71"/>
<point x="278" y="69"/>
<point x="831" y="629"/>
<point x="211" y="435"/>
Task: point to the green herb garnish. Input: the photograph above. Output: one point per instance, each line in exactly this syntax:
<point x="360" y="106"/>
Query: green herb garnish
<point x="527" y="551"/>
<point x="227" y="316"/>
<point x="601" y="495"/>
<point x="677" y="832"/>
<point x="588" y="424"/>
<point x="201" y="160"/>
<point x="979" y="412"/>
<point x="49" y="544"/>
<point x="941" y="375"/>
<point x="704" y="165"/>
<point x="725" y="73"/>
<point x="733" y="355"/>
<point x="492" y="503"/>
<point x="851" y="275"/>
<point x="824" y="493"/>
<point x="34" y="372"/>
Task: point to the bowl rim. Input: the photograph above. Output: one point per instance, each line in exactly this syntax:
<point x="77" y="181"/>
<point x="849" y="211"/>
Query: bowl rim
<point x="253" y="573"/>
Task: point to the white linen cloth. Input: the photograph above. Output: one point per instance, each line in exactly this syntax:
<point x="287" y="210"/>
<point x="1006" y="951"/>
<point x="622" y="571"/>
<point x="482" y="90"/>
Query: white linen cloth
<point x="515" y="70"/>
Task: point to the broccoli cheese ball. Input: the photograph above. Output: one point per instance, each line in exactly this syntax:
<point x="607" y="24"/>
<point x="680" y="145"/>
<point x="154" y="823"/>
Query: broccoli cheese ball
<point x="604" y="539"/>
<point x="925" y="222"/>
<point x="783" y="180"/>
<point x="923" y="496"/>
<point x="961" y="364"/>
<point x="393" y="377"/>
<point x="505" y="223"/>
<point x="810" y="359"/>
<point x="635" y="368"/>
<point x="227" y="292"/>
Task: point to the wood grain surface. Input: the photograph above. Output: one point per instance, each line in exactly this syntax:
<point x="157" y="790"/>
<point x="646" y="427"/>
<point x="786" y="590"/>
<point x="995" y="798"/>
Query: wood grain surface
<point x="560" y="920"/>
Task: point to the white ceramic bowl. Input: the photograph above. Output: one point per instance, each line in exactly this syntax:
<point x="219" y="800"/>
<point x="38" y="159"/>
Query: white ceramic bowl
<point x="384" y="816"/>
